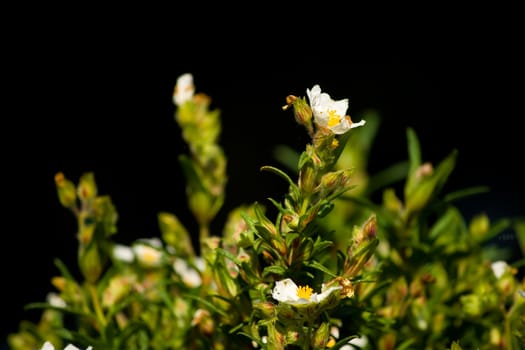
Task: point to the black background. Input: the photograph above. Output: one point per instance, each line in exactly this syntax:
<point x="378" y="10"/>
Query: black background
<point x="103" y="103"/>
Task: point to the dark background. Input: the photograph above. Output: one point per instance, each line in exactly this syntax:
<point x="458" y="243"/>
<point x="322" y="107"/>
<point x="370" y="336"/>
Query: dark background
<point x="105" y="106"/>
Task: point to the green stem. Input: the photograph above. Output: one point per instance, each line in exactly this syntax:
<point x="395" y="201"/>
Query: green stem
<point x="204" y="233"/>
<point x="510" y="317"/>
<point x="98" y="308"/>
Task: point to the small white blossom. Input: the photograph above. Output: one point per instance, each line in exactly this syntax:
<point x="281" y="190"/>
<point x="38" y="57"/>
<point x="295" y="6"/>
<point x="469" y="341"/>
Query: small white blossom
<point x="123" y="253"/>
<point x="72" y="347"/>
<point x="147" y="255"/>
<point x="184" y="89"/>
<point x="48" y="346"/>
<point x="154" y="242"/>
<point x="189" y="275"/>
<point x="356" y="343"/>
<point x="55" y="300"/>
<point x="287" y="291"/>
<point x="329" y="113"/>
<point x="499" y="267"/>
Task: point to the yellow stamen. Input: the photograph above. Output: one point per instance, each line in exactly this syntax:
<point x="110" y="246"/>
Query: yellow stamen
<point x="331" y="343"/>
<point x="304" y="292"/>
<point x="150" y="256"/>
<point x="333" y="118"/>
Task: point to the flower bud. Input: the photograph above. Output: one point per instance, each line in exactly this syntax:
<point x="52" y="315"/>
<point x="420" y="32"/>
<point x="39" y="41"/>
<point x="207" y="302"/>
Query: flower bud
<point x="90" y="262"/>
<point x="66" y="191"/>
<point x="276" y="340"/>
<point x="175" y="234"/>
<point x="118" y="287"/>
<point x="321" y="336"/>
<point x="266" y="308"/>
<point x="479" y="227"/>
<point x="301" y="110"/>
<point x="204" y="321"/>
<point x="87" y="188"/>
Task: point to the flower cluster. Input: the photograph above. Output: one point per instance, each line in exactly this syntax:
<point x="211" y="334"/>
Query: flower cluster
<point x="332" y="269"/>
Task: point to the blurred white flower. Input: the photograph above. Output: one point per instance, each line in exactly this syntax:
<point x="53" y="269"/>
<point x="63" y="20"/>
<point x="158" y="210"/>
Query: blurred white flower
<point x="499" y="267"/>
<point x="55" y="300"/>
<point x="184" y="89"/>
<point x="48" y="346"/>
<point x="356" y="343"/>
<point x="123" y="253"/>
<point x="188" y="274"/>
<point x="147" y="255"/>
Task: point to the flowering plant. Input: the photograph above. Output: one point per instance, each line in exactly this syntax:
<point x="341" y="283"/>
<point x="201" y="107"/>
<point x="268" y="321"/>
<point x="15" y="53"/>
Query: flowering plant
<point x="331" y="269"/>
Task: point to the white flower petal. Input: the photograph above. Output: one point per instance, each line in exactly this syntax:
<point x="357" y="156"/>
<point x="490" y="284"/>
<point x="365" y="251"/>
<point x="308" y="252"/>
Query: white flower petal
<point x="123" y="253"/>
<point x="184" y="89"/>
<point x="47" y="346"/>
<point x="55" y="300"/>
<point x="322" y="296"/>
<point x="189" y="275"/>
<point x="71" y="347"/>
<point x="147" y="255"/>
<point x="285" y="291"/>
<point x="499" y="267"/>
<point x="362" y="341"/>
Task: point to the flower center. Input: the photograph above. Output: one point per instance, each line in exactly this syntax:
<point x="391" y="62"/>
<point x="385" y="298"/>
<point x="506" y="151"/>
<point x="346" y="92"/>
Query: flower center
<point x="333" y="118"/>
<point x="304" y="292"/>
<point x="150" y="256"/>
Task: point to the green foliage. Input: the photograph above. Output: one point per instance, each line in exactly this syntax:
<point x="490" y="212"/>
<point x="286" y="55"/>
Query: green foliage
<point x="333" y="268"/>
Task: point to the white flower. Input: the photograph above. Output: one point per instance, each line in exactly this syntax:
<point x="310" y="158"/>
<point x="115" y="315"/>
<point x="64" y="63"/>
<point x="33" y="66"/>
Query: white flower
<point x="147" y="255"/>
<point x="329" y="113"/>
<point x="48" y="346"/>
<point x="499" y="267"/>
<point x="356" y="343"/>
<point x="55" y="300"/>
<point x="123" y="253"/>
<point x="154" y="242"/>
<point x="72" y="347"/>
<point x="287" y="291"/>
<point x="184" y="89"/>
<point x="189" y="275"/>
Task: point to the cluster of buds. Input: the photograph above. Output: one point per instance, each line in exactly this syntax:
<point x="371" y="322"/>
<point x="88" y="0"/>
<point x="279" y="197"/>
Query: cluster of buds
<point x="205" y="167"/>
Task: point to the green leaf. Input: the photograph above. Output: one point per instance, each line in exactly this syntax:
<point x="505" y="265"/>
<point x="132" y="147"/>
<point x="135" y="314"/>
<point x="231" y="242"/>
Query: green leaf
<point x="321" y="246"/>
<point x="209" y="305"/>
<point x="228" y="256"/>
<point x="63" y="269"/>
<point x="281" y="174"/>
<point x="191" y="174"/>
<point x="66" y="309"/>
<point x="451" y="218"/>
<point x="454" y="196"/>
<point x="287" y="156"/>
<point x="318" y="266"/>
<point x="519" y="227"/>
<point x="132" y="328"/>
<point x="392" y="174"/>
<point x="414" y="150"/>
<point x="275" y="269"/>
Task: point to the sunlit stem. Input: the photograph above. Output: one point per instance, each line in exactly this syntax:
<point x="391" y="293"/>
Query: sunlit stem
<point x="204" y="233"/>
<point x="96" y="304"/>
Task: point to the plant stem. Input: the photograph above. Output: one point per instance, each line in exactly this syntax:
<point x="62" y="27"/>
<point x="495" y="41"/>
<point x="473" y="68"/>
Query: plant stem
<point x="96" y="305"/>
